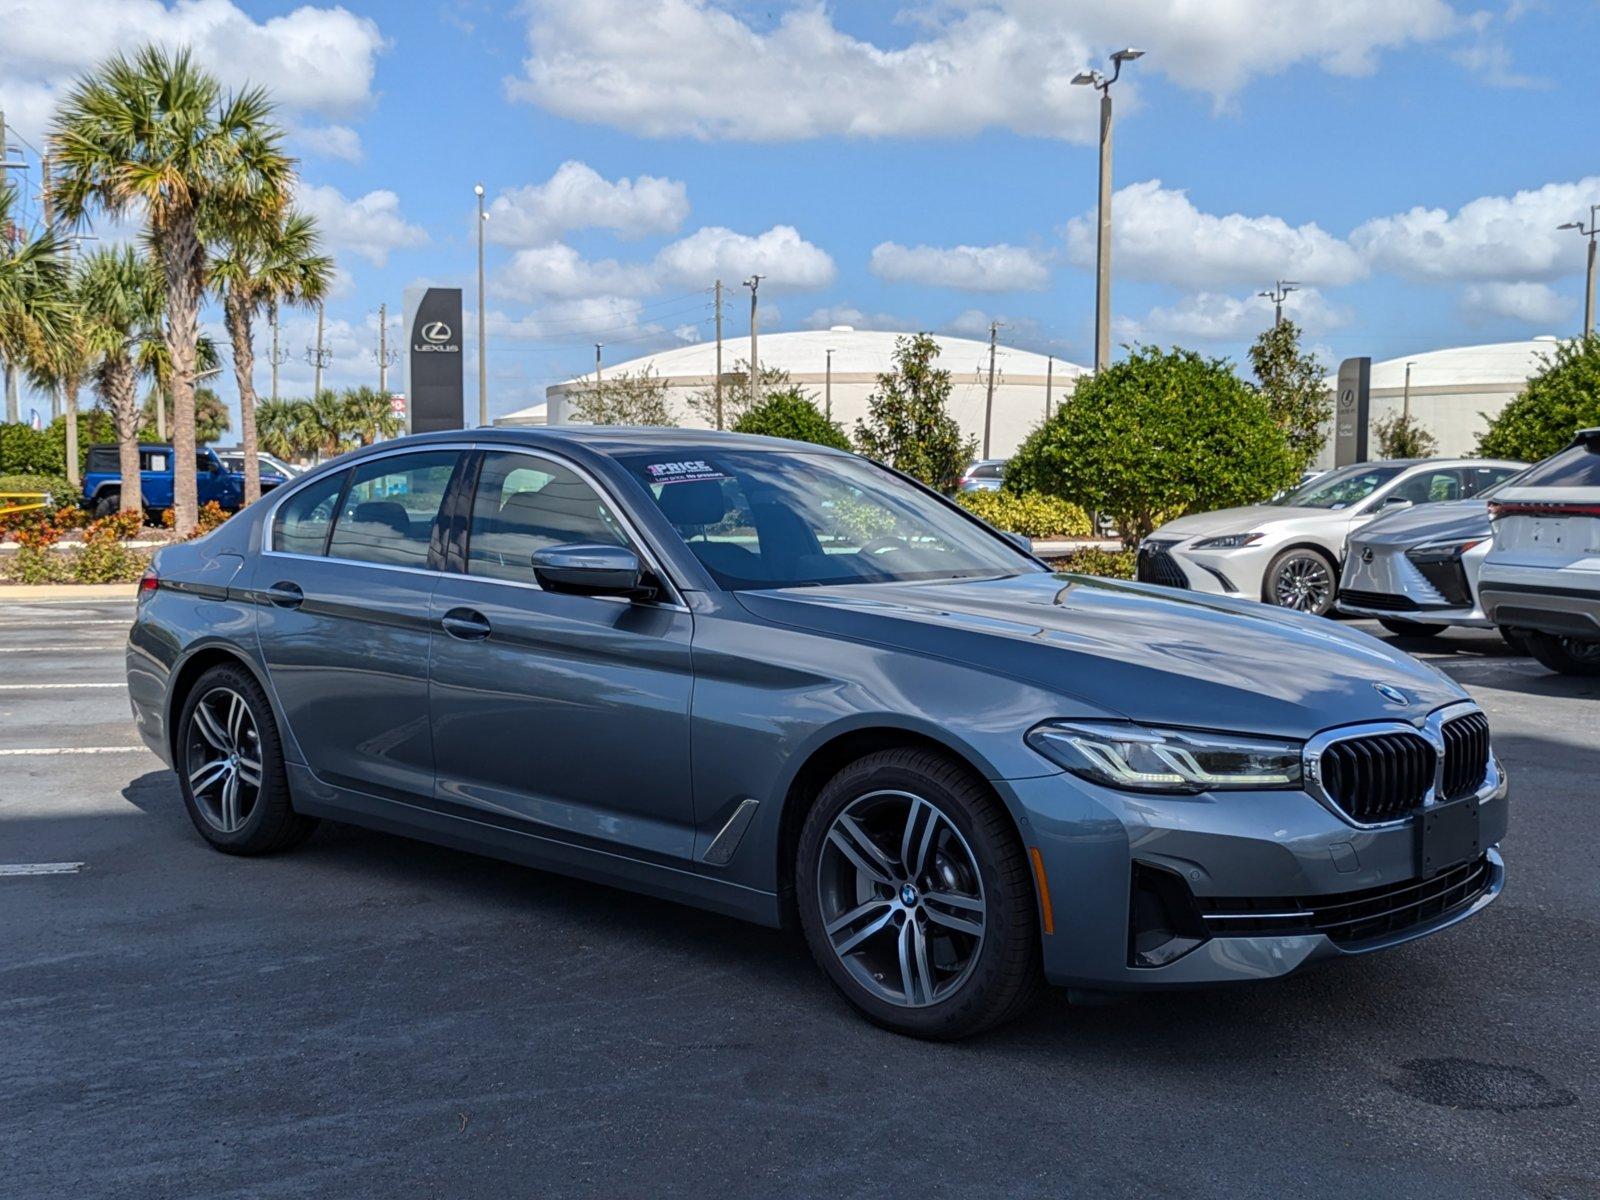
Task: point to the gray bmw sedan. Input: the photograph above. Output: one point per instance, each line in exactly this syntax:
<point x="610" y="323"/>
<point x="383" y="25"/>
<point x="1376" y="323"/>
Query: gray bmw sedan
<point x="785" y="683"/>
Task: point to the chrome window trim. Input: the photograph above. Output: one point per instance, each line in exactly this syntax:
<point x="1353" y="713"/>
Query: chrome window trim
<point x="1430" y="729"/>
<point x="647" y="552"/>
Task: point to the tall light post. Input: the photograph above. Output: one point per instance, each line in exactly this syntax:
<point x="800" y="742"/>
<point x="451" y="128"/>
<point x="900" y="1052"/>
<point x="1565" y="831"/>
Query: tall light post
<point x="1102" y="256"/>
<point x="754" y="284"/>
<point x="483" y="321"/>
<point x="1588" y="279"/>
<point x="1278" y="293"/>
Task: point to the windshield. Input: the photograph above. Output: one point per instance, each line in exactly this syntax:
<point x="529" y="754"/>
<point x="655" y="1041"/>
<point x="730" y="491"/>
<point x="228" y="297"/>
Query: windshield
<point x="1344" y="487"/>
<point x="766" y="519"/>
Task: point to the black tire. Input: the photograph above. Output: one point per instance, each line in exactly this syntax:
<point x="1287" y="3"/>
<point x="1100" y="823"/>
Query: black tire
<point x="1400" y="627"/>
<point x="1564" y="655"/>
<point x="271" y="823"/>
<point x="1515" y="638"/>
<point x="107" y="503"/>
<point x="1003" y="975"/>
<point x="1315" y="565"/>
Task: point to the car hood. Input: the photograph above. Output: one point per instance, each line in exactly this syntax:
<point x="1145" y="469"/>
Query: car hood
<point x="1131" y="650"/>
<point x="1247" y="519"/>
<point x="1427" y="523"/>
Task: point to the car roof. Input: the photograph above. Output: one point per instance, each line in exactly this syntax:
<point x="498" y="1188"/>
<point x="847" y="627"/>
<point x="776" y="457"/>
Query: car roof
<point x="613" y="439"/>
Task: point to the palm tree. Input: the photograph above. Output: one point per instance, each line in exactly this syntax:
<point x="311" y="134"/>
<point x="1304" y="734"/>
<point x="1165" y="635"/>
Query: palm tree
<point x="260" y="262"/>
<point x="154" y="359"/>
<point x="122" y="299"/>
<point x="33" y="290"/>
<point x="155" y="133"/>
<point x="370" y="416"/>
<point x="324" y="424"/>
<point x="279" y="425"/>
<point x="62" y="363"/>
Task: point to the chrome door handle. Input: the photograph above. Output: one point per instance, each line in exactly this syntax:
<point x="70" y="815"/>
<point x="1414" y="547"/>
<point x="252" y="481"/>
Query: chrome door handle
<point x="467" y="624"/>
<point x="285" y="595"/>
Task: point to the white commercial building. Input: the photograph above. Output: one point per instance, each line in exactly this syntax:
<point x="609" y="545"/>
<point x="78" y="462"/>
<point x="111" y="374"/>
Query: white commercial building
<point x="1453" y="393"/>
<point x="1024" y="381"/>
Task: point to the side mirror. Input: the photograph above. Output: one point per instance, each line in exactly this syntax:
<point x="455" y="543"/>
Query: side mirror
<point x="1396" y="502"/>
<point x="1020" y="540"/>
<point x="590" y="570"/>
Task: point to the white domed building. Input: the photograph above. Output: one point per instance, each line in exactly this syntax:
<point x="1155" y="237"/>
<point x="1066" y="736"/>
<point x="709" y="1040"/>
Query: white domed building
<point x="1024" y="382"/>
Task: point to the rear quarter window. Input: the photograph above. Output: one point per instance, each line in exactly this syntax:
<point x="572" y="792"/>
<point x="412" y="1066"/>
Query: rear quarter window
<point x="1576" y="466"/>
<point x="302" y="521"/>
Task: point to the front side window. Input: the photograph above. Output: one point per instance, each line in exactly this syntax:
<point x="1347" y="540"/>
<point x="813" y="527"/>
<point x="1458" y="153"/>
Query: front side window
<point x="388" y="514"/>
<point x="768" y="519"/>
<point x="1428" y="487"/>
<point x="302" y="521"/>
<point x="1343" y="488"/>
<point x="524" y="504"/>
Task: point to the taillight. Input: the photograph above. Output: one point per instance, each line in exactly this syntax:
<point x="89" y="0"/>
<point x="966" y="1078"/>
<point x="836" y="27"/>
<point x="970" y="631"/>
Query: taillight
<point x="148" y="583"/>
<point x="1534" y="508"/>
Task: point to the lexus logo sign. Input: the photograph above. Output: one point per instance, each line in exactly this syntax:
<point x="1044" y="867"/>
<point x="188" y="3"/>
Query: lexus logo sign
<point x="436" y="337"/>
<point x="436" y="332"/>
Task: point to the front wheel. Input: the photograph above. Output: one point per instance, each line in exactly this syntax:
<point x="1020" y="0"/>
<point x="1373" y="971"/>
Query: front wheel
<point x="230" y="766"/>
<point x="1400" y="627"/>
<point x="1301" y="579"/>
<point x="1564" y="655"/>
<point x="915" y="896"/>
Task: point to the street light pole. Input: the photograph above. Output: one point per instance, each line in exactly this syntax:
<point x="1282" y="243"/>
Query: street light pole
<point x="1405" y="400"/>
<point x="716" y="384"/>
<point x="1102" y="256"/>
<point x="483" y="322"/>
<point x="1277" y="294"/>
<point x="988" y="402"/>
<point x="827" y="387"/>
<point x="754" y="284"/>
<point x="1588" y="279"/>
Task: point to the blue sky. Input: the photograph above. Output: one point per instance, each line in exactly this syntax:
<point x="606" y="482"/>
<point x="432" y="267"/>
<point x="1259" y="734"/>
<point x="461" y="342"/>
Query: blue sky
<point x="917" y="165"/>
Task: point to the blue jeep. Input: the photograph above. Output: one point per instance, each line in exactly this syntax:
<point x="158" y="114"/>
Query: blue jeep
<point x="102" y="479"/>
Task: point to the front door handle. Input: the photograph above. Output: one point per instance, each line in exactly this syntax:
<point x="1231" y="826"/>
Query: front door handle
<point x="284" y="594"/>
<point x="466" y="623"/>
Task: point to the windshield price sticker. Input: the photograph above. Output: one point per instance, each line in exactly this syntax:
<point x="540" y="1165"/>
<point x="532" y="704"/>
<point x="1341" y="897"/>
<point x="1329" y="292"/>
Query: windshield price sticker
<point x="692" y="470"/>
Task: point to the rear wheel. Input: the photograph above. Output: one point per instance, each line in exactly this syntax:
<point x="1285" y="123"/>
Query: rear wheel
<point x="1513" y="638"/>
<point x="1565" y="655"/>
<point x="107" y="503"/>
<point x="916" y="898"/>
<point x="1400" y="627"/>
<point x="230" y="767"/>
<point x="1302" y="579"/>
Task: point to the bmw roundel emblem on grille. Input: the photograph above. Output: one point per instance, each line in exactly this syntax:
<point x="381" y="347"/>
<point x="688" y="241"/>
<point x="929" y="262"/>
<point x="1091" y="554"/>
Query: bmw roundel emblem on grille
<point x="1391" y="693"/>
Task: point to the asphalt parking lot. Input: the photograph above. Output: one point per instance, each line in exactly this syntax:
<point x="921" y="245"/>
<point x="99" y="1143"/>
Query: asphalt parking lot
<point x="369" y="1016"/>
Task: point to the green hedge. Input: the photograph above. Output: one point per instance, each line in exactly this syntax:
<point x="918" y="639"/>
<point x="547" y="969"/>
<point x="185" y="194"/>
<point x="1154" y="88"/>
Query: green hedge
<point x="1092" y="560"/>
<point x="61" y="491"/>
<point x="1032" y="514"/>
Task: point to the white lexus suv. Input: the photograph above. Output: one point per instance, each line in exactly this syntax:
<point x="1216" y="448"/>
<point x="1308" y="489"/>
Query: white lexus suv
<point x="1542" y="576"/>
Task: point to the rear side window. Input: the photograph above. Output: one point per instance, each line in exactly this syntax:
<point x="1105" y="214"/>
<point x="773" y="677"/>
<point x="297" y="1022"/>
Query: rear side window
<point x="1477" y="480"/>
<point x="155" y="460"/>
<point x="104" y="458"/>
<point x="302" y="521"/>
<point x="524" y="504"/>
<point x="1576" y="466"/>
<point x="989" y="471"/>
<point x="388" y="514"/>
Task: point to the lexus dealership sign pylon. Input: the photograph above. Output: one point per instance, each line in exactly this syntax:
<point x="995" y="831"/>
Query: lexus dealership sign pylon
<point x="433" y="359"/>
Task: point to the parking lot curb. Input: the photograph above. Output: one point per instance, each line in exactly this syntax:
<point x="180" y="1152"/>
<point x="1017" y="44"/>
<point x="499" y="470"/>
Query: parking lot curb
<point x="23" y="593"/>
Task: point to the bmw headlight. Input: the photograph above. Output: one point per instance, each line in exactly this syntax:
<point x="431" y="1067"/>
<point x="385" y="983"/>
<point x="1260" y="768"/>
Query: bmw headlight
<point x="1121" y="754"/>
<point x="1228" y="541"/>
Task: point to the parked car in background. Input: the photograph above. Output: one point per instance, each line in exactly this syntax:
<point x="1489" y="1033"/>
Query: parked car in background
<point x="1416" y="570"/>
<point x="1541" y="577"/>
<point x="274" y="471"/>
<point x="984" y="475"/>
<point x="102" y="479"/>
<point x="1289" y="553"/>
<point x="788" y="685"/>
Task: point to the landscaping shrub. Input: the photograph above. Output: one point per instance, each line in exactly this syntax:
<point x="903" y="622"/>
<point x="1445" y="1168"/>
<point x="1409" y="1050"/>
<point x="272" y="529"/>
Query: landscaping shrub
<point x="1092" y="560"/>
<point x="1032" y="514"/>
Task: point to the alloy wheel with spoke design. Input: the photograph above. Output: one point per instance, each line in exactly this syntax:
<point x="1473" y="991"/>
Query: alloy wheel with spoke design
<point x="223" y="759"/>
<point x="901" y="897"/>
<point x="1304" y="583"/>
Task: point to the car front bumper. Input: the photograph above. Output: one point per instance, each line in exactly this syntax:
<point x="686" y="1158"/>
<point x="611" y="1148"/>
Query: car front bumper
<point x="1232" y="854"/>
<point x="1174" y="562"/>
<point x="1380" y="581"/>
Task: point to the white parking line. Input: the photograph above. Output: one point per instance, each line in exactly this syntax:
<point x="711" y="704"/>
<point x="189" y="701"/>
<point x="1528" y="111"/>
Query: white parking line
<point x="43" y="751"/>
<point x="58" y="687"/>
<point x="69" y="623"/>
<point x="62" y="649"/>
<point x="40" y="868"/>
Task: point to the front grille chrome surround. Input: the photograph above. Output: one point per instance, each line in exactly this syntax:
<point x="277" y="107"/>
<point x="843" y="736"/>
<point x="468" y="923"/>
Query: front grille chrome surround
<point x="1467" y="737"/>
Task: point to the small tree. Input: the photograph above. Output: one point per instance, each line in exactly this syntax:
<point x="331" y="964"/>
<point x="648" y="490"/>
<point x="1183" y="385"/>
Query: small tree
<point x="626" y="398"/>
<point x="790" y="415"/>
<point x="1292" y="382"/>
<point x="736" y="398"/>
<point x="1400" y="435"/>
<point x="1562" y="398"/>
<point x="1156" y="436"/>
<point x="908" y="423"/>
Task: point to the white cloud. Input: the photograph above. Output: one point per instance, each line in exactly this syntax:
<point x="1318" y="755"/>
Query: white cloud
<point x="668" y="68"/>
<point x="371" y="226"/>
<point x="312" y="59"/>
<point x="786" y="259"/>
<point x="1502" y="238"/>
<point x="329" y="141"/>
<point x="1158" y="234"/>
<point x="999" y="268"/>
<point x="1533" y="303"/>
<point x="849" y="314"/>
<point x="575" y="319"/>
<point x="578" y="197"/>
<point x="557" y="270"/>
<point x="1218" y="317"/>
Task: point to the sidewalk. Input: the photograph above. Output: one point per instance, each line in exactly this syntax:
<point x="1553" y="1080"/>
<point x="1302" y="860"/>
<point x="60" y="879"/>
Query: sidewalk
<point x="23" y="593"/>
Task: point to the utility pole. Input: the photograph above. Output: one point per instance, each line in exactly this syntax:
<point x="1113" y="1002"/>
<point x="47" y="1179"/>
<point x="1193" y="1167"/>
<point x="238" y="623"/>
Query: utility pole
<point x="278" y="357"/>
<point x="1102" y="258"/>
<point x="716" y="386"/>
<point x="827" y="387"/>
<point x="1588" y="279"/>
<point x="988" y="403"/>
<point x="317" y="357"/>
<point x="597" y="346"/>
<point x="386" y="357"/>
<point x="1049" y="380"/>
<point x="483" y="322"/>
<point x="754" y="283"/>
<point x="13" y="398"/>
<point x="1405" y="402"/>
<point x="1277" y="294"/>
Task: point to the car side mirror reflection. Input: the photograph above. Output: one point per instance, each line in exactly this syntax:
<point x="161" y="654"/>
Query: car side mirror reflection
<point x="1396" y="502"/>
<point x="591" y="570"/>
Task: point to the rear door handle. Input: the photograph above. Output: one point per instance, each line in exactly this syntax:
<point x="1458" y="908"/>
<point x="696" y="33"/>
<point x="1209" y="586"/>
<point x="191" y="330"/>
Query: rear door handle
<point x="465" y="623"/>
<point x="284" y="594"/>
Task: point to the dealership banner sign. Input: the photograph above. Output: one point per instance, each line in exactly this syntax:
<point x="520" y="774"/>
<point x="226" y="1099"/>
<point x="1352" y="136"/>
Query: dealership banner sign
<point x="1352" y="407"/>
<point x="433" y="360"/>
